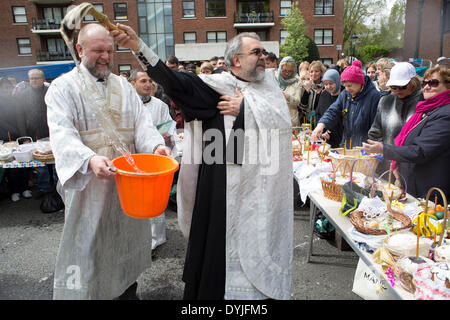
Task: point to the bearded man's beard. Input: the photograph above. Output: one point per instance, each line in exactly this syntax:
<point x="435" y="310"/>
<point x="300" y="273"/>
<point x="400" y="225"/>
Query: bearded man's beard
<point x="90" y="65"/>
<point x="255" y="74"/>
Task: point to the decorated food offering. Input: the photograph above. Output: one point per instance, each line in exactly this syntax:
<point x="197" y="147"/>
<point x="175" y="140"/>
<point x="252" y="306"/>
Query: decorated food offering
<point x="403" y="244"/>
<point x="43" y="151"/>
<point x="442" y="253"/>
<point x="373" y="216"/>
<point x="433" y="281"/>
<point x="405" y="268"/>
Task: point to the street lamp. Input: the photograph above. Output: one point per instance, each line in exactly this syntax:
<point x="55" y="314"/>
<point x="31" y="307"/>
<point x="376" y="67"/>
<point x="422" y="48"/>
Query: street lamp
<point x="354" y="38"/>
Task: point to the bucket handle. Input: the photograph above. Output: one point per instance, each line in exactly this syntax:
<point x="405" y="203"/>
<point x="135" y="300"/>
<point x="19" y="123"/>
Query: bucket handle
<point x="132" y="173"/>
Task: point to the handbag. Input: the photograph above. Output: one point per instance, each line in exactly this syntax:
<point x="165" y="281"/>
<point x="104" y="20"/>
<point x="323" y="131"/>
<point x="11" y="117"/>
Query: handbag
<point x="368" y="285"/>
<point x="353" y="194"/>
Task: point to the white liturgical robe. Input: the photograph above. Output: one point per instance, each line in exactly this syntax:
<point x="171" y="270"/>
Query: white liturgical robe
<point x="102" y="251"/>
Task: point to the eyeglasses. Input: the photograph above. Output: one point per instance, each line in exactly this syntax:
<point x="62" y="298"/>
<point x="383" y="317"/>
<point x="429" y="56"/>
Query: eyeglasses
<point x="257" y="52"/>
<point x="398" y="87"/>
<point x="433" y="83"/>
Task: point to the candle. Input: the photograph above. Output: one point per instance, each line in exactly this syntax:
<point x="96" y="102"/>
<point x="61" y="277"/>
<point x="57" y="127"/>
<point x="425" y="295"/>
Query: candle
<point x="308" y="153"/>
<point x="323" y="150"/>
<point x="9" y="136"/>
<point x="390" y="175"/>
<point x="345" y="146"/>
<point x="350" y="143"/>
<point x="418" y="236"/>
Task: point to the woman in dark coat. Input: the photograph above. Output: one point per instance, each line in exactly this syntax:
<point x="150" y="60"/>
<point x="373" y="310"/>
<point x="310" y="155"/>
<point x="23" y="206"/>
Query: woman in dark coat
<point x="421" y="150"/>
<point x="355" y="108"/>
<point x="332" y="82"/>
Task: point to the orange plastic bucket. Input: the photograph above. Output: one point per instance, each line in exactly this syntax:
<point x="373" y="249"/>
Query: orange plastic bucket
<point x="144" y="195"/>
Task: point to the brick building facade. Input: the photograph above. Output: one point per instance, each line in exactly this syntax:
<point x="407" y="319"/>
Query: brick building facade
<point x="33" y="37"/>
<point x="203" y="26"/>
<point x="192" y="30"/>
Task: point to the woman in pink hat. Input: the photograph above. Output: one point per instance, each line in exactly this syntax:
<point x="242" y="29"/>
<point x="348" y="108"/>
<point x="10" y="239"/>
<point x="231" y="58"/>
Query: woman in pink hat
<point x="355" y="108"/>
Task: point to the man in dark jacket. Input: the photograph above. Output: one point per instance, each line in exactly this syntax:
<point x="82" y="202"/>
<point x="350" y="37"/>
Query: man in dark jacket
<point x="32" y="121"/>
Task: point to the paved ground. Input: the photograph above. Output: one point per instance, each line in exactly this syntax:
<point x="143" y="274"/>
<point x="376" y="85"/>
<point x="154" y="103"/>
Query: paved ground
<point x="29" y="242"/>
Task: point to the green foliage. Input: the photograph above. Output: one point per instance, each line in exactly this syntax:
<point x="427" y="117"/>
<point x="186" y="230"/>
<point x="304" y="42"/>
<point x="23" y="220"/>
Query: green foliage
<point x="370" y="52"/>
<point x="296" y="44"/>
<point x="377" y="34"/>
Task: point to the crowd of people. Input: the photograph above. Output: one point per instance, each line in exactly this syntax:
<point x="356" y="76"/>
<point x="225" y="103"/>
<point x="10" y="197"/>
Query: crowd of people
<point x="237" y="217"/>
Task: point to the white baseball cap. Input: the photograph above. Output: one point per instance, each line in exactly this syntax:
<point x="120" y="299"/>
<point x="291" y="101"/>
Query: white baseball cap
<point x="401" y="74"/>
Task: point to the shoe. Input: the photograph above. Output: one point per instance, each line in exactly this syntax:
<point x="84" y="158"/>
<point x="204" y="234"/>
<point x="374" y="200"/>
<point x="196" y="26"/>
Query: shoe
<point x="15" y="197"/>
<point x="27" y="194"/>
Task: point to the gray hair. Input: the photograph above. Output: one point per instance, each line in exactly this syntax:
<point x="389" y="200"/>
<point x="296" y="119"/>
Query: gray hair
<point x="41" y="73"/>
<point x="134" y="73"/>
<point x="234" y="46"/>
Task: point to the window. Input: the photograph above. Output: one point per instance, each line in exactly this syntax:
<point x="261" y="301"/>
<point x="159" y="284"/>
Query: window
<point x="446" y="21"/>
<point x="19" y="15"/>
<point x="54" y="14"/>
<point x="188" y="9"/>
<point x="323" y="7"/>
<point x="190" y="37"/>
<point x="156" y="26"/>
<point x="285" y="7"/>
<point x="323" y="36"/>
<point x="125" y="68"/>
<point x="283" y="35"/>
<point x="216" y="36"/>
<point x="24" y="46"/>
<point x="119" y="48"/>
<point x="88" y="17"/>
<point x="120" y="11"/>
<point x="327" y="61"/>
<point x="215" y="8"/>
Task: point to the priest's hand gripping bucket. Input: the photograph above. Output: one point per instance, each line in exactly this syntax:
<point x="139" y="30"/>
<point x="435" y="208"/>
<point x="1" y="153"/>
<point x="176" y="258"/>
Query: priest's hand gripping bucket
<point x="145" y="195"/>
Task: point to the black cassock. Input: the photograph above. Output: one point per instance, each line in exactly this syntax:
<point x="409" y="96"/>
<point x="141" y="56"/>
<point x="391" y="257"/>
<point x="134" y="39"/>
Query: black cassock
<point x="204" y="269"/>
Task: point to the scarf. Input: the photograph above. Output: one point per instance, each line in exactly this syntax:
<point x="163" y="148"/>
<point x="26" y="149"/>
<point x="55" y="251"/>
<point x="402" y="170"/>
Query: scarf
<point x="422" y="107"/>
<point x="284" y="83"/>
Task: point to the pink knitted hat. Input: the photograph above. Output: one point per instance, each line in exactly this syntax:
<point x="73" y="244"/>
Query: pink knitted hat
<point x="353" y="73"/>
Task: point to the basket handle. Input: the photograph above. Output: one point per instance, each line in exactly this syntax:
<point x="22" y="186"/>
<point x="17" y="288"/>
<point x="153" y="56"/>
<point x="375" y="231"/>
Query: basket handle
<point x="17" y="140"/>
<point x="404" y="180"/>
<point x="372" y="192"/>
<point x="335" y="169"/>
<point x="444" y="198"/>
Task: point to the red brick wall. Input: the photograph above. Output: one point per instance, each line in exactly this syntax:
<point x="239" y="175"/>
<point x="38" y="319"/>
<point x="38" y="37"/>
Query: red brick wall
<point x="429" y="47"/>
<point x="10" y="32"/>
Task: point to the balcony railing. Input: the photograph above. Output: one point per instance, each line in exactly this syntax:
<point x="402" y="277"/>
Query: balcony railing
<point x="45" y="24"/>
<point x="53" y="55"/>
<point x="51" y="1"/>
<point x="254" y="17"/>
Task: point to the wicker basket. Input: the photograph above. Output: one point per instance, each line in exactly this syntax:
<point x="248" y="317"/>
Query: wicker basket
<point x="331" y="189"/>
<point x="444" y="199"/>
<point x="43" y="157"/>
<point x="351" y="155"/>
<point x="356" y="218"/>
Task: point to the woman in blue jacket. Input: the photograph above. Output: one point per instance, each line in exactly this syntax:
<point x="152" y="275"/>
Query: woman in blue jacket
<point x="355" y="108"/>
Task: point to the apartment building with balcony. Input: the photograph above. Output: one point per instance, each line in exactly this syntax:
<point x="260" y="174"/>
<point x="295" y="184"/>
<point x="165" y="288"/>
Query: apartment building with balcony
<point x="202" y="27"/>
<point x="33" y="37"/>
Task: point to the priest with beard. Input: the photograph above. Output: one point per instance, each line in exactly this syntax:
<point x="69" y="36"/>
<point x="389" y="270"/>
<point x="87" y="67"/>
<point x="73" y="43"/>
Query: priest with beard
<point x="102" y="251"/>
<point x="235" y="185"/>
